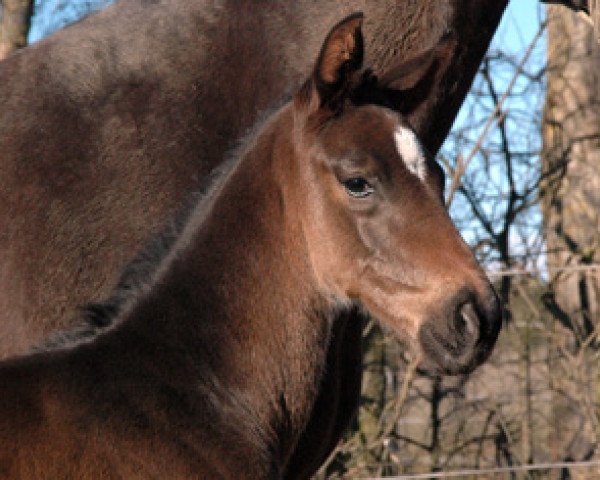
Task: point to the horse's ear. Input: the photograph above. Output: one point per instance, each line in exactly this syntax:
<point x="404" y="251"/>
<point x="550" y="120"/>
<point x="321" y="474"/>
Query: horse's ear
<point x="408" y="83"/>
<point x="340" y="59"/>
<point x="406" y="74"/>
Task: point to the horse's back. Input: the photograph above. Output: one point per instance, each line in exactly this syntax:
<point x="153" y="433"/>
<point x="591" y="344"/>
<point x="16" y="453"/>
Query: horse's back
<point x="98" y="147"/>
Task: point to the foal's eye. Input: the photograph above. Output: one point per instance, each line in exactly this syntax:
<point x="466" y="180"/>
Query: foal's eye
<point x="358" y="187"/>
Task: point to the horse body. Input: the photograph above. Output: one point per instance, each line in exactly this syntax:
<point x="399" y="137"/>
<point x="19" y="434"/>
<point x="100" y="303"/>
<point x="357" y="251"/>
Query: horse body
<point x="212" y="369"/>
<point x="220" y="360"/>
<point x="195" y="373"/>
<point x="93" y="417"/>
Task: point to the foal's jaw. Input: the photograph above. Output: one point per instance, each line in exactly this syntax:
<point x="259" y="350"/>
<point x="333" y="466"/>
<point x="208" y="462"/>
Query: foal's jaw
<point x="452" y="325"/>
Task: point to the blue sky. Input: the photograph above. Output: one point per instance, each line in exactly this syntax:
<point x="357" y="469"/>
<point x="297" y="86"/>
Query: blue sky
<point x="520" y="23"/>
<point x="50" y="15"/>
<point x="519" y="26"/>
<point x="523" y="110"/>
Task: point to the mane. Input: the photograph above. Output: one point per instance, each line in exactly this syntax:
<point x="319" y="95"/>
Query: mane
<point x="138" y="275"/>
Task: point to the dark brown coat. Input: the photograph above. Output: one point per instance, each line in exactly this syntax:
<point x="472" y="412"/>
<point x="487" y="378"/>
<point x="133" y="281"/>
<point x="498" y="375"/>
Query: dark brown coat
<point x="212" y="368"/>
<point x="106" y="125"/>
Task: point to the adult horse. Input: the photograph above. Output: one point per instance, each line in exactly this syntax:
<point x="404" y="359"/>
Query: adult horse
<point x="106" y="125"/>
<point x="211" y="370"/>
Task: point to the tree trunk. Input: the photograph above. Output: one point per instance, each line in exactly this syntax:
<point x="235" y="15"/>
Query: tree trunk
<point x="594" y="16"/>
<point x="15" y="19"/>
<point x="571" y="158"/>
<point x="589" y="10"/>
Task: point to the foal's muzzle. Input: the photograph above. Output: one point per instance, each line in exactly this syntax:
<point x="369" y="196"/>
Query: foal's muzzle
<point x="460" y="338"/>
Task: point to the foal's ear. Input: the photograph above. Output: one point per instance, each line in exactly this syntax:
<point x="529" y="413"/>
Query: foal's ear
<point x="409" y="82"/>
<point x="340" y="59"/>
<point x="406" y="74"/>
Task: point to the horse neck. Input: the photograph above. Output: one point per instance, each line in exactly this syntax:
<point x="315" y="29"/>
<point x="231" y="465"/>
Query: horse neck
<point x="262" y="31"/>
<point x="238" y="295"/>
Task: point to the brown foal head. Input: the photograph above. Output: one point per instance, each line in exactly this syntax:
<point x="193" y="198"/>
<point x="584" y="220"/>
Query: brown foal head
<point x="371" y="207"/>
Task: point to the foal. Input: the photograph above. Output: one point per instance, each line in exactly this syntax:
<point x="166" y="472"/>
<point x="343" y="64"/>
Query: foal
<point x="212" y="369"/>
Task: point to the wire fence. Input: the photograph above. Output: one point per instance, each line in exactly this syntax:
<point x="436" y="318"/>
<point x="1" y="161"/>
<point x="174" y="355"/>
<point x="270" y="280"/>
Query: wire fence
<point x="492" y="471"/>
<point x="540" y="271"/>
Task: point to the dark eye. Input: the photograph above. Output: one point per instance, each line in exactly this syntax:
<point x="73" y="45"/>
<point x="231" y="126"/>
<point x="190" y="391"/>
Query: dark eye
<point x="358" y="187"/>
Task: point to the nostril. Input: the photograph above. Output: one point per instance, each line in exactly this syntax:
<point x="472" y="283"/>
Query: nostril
<point x="466" y="321"/>
<point x="461" y="337"/>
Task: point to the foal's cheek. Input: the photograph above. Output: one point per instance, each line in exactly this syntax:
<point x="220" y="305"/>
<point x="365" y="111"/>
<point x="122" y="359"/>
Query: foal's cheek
<point x="340" y="262"/>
